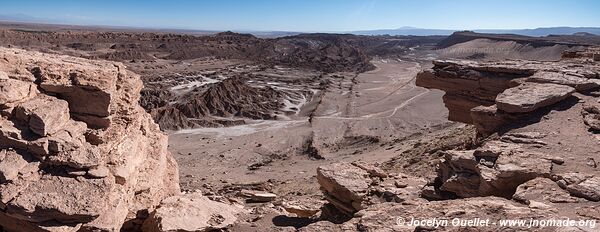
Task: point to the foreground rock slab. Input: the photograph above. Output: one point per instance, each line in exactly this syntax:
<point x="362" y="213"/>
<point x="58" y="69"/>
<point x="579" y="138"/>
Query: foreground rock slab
<point x="77" y="152"/>
<point x="344" y="185"/>
<point x="191" y="212"/>
<point x="495" y="169"/>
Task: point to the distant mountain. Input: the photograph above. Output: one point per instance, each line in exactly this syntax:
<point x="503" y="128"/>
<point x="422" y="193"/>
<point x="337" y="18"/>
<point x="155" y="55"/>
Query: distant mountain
<point x="546" y="31"/>
<point x="405" y="31"/>
<point x="528" y="32"/>
<point x="270" y="34"/>
<point x="19" y="18"/>
<point x="575" y="39"/>
<point x="537" y="32"/>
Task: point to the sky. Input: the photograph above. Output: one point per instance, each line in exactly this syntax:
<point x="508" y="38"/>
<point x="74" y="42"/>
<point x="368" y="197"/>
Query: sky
<point x="310" y="15"/>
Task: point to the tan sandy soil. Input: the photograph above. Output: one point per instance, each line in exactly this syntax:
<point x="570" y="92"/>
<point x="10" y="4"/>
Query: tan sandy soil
<point x="383" y="105"/>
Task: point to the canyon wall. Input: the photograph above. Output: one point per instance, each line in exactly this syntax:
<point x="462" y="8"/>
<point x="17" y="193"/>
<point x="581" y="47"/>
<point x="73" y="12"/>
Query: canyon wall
<point x="491" y="94"/>
<point x="77" y="152"/>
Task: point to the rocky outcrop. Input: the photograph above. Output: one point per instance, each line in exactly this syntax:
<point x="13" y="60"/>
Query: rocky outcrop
<point x="493" y="94"/>
<point x="344" y="185"/>
<point x="591" y="116"/>
<point x="191" y="212"/>
<point x="232" y="97"/>
<point x="77" y="152"/>
<point x="581" y="185"/>
<point x="530" y="97"/>
<point x="542" y="191"/>
<point x="495" y="169"/>
<point x="410" y="216"/>
<point x="351" y="187"/>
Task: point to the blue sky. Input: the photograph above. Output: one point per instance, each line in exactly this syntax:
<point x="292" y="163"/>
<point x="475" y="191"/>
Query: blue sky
<point x="312" y="15"/>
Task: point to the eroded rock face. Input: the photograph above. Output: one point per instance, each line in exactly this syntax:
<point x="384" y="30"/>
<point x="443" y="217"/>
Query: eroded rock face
<point x="351" y="187"/>
<point x="493" y="94"/>
<point x="76" y="150"/>
<point x="495" y="169"/>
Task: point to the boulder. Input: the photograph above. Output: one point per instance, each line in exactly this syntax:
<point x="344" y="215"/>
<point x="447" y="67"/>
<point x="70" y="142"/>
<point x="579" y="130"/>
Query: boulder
<point x="344" y="185"/>
<point x="588" y="189"/>
<point x="14" y="91"/>
<point x="542" y="190"/>
<point x="495" y="169"/>
<point x="44" y="115"/>
<point x="303" y="208"/>
<point x="13" y="164"/>
<point x="191" y="212"/>
<point x="256" y="196"/>
<point x="591" y="116"/>
<point x="371" y="169"/>
<point x="529" y="97"/>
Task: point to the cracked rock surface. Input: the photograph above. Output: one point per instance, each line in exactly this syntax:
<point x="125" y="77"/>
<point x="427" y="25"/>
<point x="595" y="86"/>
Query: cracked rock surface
<point x="77" y="152"/>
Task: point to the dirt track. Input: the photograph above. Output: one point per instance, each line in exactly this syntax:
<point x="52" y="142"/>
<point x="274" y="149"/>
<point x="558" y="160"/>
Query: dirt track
<point x="352" y="119"/>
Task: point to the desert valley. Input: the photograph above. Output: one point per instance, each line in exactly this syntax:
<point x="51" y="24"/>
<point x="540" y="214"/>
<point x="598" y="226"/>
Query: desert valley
<point x="131" y="130"/>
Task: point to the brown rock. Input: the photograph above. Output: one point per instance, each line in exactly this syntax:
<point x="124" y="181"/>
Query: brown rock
<point x="578" y="82"/>
<point x="13" y="163"/>
<point x="258" y="196"/>
<point x="496" y="169"/>
<point x="14" y="91"/>
<point x="529" y="97"/>
<point x="99" y="172"/>
<point x="591" y="116"/>
<point x="397" y="217"/>
<point x="191" y="212"/>
<point x="44" y="115"/>
<point x="39" y="132"/>
<point x="344" y="185"/>
<point x="64" y="199"/>
<point x="303" y="208"/>
<point x="371" y="169"/>
<point x="3" y="76"/>
<point x="588" y="189"/>
<point x="542" y="190"/>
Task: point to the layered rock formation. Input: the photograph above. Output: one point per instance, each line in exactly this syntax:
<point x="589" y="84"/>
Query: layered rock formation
<point x="534" y="157"/>
<point x="490" y="94"/>
<point x="77" y="152"/>
<point x="228" y="98"/>
<point x="392" y="203"/>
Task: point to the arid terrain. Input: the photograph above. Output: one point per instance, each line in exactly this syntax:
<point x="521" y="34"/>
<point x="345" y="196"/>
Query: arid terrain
<point x="120" y="130"/>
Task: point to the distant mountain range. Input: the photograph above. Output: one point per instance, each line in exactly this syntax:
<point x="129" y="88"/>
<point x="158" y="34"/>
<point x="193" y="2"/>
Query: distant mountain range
<point x="545" y="31"/>
<point x="23" y="18"/>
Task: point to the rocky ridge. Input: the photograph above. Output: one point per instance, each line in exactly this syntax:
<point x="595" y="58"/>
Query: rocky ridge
<point x="490" y="94"/>
<point x="226" y="99"/>
<point x="77" y="152"/>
